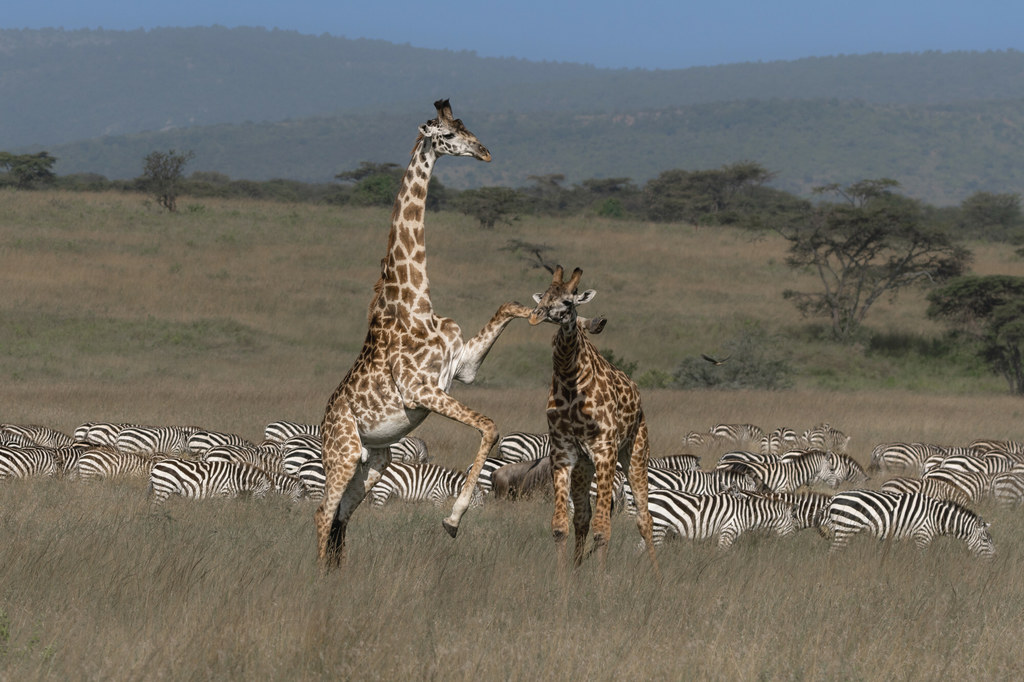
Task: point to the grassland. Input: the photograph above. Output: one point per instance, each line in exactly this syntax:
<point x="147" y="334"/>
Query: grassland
<point x="230" y="315"/>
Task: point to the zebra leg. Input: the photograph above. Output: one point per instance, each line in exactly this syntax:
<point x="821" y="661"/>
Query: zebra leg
<point x="636" y="470"/>
<point x="727" y="536"/>
<point x="582" y="475"/>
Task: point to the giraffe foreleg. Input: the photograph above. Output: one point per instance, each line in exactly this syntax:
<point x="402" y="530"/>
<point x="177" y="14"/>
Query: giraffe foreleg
<point x="561" y="472"/>
<point x="476" y="349"/>
<point x="436" y="400"/>
<point x="582" y="476"/>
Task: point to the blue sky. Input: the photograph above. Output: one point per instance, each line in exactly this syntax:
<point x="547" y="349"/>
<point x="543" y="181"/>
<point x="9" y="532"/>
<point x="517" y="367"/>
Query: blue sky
<point x="650" y="34"/>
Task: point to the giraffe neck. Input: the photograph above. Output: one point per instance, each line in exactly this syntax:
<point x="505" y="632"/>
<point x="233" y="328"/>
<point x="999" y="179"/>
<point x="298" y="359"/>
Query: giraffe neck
<point x="567" y="350"/>
<point x="404" y="268"/>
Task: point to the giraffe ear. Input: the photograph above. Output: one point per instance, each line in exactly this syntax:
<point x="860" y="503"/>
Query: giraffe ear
<point x="585" y="297"/>
<point x="537" y="297"/>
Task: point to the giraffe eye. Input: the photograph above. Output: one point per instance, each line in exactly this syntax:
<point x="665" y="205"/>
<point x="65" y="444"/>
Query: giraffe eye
<point x="448" y="136"/>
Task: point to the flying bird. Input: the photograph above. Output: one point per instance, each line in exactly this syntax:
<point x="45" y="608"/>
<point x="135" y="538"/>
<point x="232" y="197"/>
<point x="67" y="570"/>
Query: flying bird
<point x="713" y="361"/>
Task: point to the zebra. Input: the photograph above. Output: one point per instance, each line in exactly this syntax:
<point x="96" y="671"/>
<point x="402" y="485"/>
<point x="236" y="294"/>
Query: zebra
<point x="847" y="469"/>
<point x="976" y="485"/>
<point x="701" y="482"/>
<point x="808" y="506"/>
<point x="100" y="433"/>
<point x="779" y="440"/>
<point x="151" y="440"/>
<point x="293" y="459"/>
<point x="1008" y="488"/>
<point x="898" y="516"/>
<point x="825" y="437"/>
<point x="267" y="457"/>
<point x="795" y="470"/>
<point x="103" y="461"/>
<point x="281" y="431"/>
<point x="311" y="473"/>
<point x="678" y="462"/>
<point x="736" y="460"/>
<point x="28" y="462"/>
<point x="901" y="457"/>
<point x="198" y="480"/>
<point x="43" y="436"/>
<point x="303" y="442"/>
<point x="991" y="463"/>
<point x="931" y="487"/>
<point x="292" y="487"/>
<point x="699" y="439"/>
<point x="737" y="433"/>
<point x="201" y="441"/>
<point x="983" y="445"/>
<point x="411" y="450"/>
<point x="724" y="515"/>
<point x="417" y="483"/>
<point x="520" y="446"/>
<point x="491" y="464"/>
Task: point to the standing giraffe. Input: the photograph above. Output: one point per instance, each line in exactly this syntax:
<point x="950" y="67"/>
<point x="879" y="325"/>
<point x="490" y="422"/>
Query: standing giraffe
<point x="595" y="419"/>
<point x="409" y="358"/>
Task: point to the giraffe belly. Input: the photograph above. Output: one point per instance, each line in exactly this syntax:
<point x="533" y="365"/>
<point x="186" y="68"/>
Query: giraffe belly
<point x="391" y="427"/>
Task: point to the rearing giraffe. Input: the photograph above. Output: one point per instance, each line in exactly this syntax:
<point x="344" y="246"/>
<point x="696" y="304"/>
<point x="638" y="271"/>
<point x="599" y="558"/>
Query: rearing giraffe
<point x="409" y="358"/>
<point x="595" y="419"/>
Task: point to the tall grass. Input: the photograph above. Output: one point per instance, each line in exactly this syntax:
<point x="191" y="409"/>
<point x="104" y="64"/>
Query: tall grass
<point x="233" y="314"/>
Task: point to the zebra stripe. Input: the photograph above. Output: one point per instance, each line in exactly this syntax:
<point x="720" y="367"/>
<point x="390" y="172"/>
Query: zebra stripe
<point x="280" y="431"/>
<point x="898" y="516"/>
<point x="201" y="441"/>
<point x="311" y="473"/>
<point x="152" y="440"/>
<point x="1008" y="488"/>
<point x="779" y="441"/>
<point x="418" y="483"/>
<point x="794" y="470"/>
<point x="28" y="462"/>
<point x="900" y="457"/>
<point x="100" y="462"/>
<point x="678" y="462"/>
<point x="267" y="457"/>
<point x="100" y="433"/>
<point x="724" y="516"/>
<point x="519" y="446"/>
<point x="737" y="433"/>
<point x="41" y="436"/>
<point x="976" y="485"/>
<point x="411" y="450"/>
<point x="940" y="490"/>
<point x="983" y="445"/>
<point x="198" y="480"/>
<point x="825" y="437"/>
<point x="808" y="507"/>
<point x="847" y="469"/>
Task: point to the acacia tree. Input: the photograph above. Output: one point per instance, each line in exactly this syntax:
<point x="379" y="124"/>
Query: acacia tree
<point x="28" y="170"/>
<point x="490" y="205"/>
<point x="869" y="244"/>
<point x="989" y="311"/>
<point x="162" y="173"/>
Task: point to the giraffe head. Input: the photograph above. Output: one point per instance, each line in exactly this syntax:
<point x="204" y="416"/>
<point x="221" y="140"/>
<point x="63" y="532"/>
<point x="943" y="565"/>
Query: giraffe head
<point x="558" y="303"/>
<point x="447" y="135"/>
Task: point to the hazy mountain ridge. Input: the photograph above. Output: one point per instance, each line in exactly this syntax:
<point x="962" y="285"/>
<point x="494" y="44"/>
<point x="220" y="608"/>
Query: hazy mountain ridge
<point x="258" y="103"/>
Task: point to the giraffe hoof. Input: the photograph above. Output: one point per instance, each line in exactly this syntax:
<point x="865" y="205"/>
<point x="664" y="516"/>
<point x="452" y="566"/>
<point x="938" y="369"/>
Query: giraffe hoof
<point x="452" y="530"/>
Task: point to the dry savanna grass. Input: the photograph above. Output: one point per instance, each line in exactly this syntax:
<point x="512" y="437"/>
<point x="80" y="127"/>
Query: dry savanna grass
<point x="234" y="314"/>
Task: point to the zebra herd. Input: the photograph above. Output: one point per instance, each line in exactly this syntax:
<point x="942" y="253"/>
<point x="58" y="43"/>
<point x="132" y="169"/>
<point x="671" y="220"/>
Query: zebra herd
<point x="762" y="480"/>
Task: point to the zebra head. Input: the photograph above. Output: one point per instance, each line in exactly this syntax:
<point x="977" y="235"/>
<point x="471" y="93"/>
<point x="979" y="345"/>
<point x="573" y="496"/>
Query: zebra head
<point x="979" y="539"/>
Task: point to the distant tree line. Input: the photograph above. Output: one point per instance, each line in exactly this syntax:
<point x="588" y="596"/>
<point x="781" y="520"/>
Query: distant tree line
<point x="863" y="241"/>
